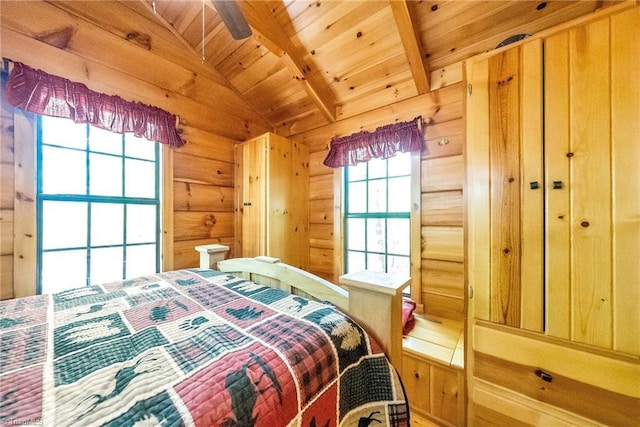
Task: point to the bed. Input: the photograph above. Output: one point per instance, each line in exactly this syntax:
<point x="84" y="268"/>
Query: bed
<point x="196" y="347"/>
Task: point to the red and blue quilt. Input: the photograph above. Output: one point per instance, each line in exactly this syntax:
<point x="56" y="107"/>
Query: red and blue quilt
<point x="190" y="347"/>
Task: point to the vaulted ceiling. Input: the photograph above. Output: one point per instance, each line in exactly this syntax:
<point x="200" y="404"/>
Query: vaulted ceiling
<point x="309" y="63"/>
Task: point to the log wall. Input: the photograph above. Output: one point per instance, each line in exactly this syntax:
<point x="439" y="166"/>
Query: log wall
<point x="198" y="178"/>
<point x="442" y="174"/>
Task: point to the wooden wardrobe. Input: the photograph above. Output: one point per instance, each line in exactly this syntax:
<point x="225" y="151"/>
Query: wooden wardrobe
<point x="553" y="216"/>
<point x="272" y="206"/>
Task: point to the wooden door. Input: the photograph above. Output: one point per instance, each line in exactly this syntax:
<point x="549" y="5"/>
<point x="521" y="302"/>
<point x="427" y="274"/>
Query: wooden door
<point x="504" y="168"/>
<point x="252" y="203"/>
<point x="592" y="157"/>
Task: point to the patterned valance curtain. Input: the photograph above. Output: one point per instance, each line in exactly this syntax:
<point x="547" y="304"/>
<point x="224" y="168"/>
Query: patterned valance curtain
<point x="383" y="143"/>
<point x="41" y="93"/>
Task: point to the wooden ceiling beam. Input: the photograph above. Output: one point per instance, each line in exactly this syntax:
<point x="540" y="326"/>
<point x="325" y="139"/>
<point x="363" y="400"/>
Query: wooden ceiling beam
<point x="263" y="22"/>
<point x="412" y="44"/>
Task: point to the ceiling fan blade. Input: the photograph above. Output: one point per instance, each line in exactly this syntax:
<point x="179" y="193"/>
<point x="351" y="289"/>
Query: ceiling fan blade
<point x="233" y="18"/>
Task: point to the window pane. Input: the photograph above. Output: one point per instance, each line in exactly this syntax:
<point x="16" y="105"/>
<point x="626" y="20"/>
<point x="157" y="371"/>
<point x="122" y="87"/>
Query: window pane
<point x="139" y="179"/>
<point x="141" y="223"/>
<point x="63" y="171"/>
<point x="356" y="234"/>
<point x="399" y="236"/>
<point x="377" y="168"/>
<point x="358" y="172"/>
<point x="399" y="265"/>
<point x="400" y="194"/>
<point x="356" y="262"/>
<point x="106" y="265"/>
<point x="375" y="262"/>
<point x="400" y="164"/>
<point x="358" y="197"/>
<point x="106" y="175"/>
<point x="141" y="260"/>
<point x="63" y="270"/>
<point x="65" y="132"/>
<point x="107" y="224"/>
<point x="64" y="225"/>
<point x="376" y="235"/>
<point x="104" y="141"/>
<point x="378" y="195"/>
<point x="141" y="148"/>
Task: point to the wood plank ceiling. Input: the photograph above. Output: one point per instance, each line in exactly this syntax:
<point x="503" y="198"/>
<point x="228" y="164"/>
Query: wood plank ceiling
<point x="309" y="63"/>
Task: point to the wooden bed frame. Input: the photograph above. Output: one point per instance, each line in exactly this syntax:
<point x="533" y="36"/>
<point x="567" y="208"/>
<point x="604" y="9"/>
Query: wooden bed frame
<point x="373" y="299"/>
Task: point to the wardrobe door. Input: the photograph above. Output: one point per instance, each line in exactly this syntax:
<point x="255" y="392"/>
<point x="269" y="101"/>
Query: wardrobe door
<point x="254" y="181"/>
<point x="505" y="182"/>
<point x="592" y="139"/>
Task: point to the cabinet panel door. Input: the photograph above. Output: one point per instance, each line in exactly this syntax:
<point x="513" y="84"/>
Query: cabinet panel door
<point x="415" y="377"/>
<point x="578" y="153"/>
<point x="505" y="187"/>
<point x="253" y="197"/>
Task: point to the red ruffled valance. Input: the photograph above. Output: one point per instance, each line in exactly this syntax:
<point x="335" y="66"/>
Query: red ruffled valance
<point x="41" y="93"/>
<point x="383" y="143"/>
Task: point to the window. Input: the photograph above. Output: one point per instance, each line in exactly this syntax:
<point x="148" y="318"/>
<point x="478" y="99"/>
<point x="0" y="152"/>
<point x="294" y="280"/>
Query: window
<point x="98" y="205"/>
<point x="377" y="215"/>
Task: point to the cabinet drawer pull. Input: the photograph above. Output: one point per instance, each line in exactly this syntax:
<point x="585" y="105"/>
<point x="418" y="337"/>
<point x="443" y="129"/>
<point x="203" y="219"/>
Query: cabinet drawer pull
<point x="416" y="374"/>
<point x="557" y="185"/>
<point x="534" y="185"/>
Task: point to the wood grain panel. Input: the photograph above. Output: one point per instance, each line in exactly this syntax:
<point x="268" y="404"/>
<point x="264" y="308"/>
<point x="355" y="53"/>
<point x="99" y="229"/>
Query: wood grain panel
<point x="444" y="139"/>
<point x="6" y="233"/>
<point x="321" y="187"/>
<point x="25" y="230"/>
<point x="200" y="170"/>
<point x="590" y="183"/>
<point x="316" y="167"/>
<point x="321" y="236"/>
<point x="202" y="225"/>
<point x="321" y="261"/>
<point x="504" y="152"/>
<point x="532" y="212"/>
<point x="443" y="277"/>
<point x="199" y="197"/>
<point x="625" y="132"/>
<point x="444" y="306"/>
<point x="442" y="208"/>
<point x="208" y="145"/>
<point x="572" y="395"/>
<point x="321" y="211"/>
<point x="443" y="174"/>
<point x="557" y="222"/>
<point x="444" y="391"/>
<point x="443" y="243"/>
<point x="6" y="277"/>
<point x="477" y="189"/>
<point x="415" y="377"/>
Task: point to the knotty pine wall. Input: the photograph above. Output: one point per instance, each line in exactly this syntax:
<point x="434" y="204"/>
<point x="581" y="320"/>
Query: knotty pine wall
<point x="442" y="175"/>
<point x="199" y="178"/>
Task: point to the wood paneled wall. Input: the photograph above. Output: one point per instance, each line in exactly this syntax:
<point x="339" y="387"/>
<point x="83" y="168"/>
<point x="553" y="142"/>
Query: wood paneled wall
<point x="6" y="197"/>
<point x="442" y="174"/>
<point x="199" y="178"/>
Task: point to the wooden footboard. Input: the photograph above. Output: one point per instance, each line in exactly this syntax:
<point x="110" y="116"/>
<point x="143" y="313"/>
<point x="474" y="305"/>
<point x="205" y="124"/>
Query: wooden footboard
<point x="373" y="299"/>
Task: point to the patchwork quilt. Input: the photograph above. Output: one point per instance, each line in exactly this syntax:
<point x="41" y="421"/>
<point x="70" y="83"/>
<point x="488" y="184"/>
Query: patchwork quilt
<point x="190" y="347"/>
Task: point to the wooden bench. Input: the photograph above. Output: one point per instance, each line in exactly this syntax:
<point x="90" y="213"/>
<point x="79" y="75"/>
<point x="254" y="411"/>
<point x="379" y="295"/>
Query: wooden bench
<point x="433" y="369"/>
